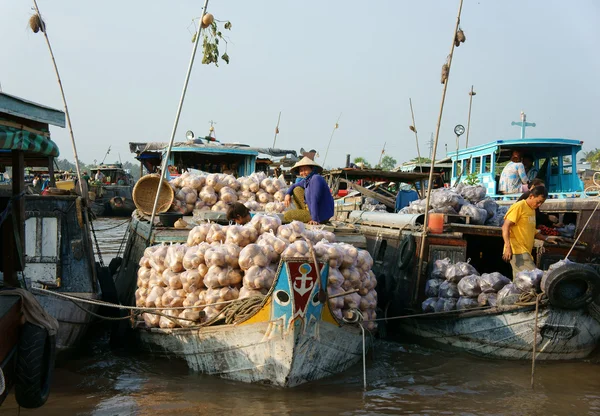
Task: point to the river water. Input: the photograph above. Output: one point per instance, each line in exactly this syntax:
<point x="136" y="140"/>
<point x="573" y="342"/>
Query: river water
<point x="403" y="379"/>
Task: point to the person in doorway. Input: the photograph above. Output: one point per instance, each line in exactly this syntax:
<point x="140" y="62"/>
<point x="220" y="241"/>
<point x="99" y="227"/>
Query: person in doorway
<point x="519" y="231"/>
<point x="238" y="213"/>
<point x="99" y="176"/>
<point x="438" y="180"/>
<point x="312" y="196"/>
<point x="513" y="175"/>
<point x="530" y="170"/>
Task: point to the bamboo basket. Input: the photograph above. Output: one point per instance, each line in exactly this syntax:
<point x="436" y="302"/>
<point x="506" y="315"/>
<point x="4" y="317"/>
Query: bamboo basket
<point x="144" y="193"/>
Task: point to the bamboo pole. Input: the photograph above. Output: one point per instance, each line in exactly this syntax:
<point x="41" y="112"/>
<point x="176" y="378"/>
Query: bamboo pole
<point x="471" y="94"/>
<point x="331" y="137"/>
<point x="435" y="143"/>
<point x="179" y="107"/>
<point x="276" y="130"/>
<point x="414" y="125"/>
<point x="64" y="99"/>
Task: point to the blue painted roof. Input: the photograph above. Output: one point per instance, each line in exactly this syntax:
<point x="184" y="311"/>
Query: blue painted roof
<point x="15" y="106"/>
<point x="530" y="143"/>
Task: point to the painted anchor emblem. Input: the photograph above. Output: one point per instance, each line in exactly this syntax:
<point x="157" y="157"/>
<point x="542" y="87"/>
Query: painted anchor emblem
<point x="303" y="289"/>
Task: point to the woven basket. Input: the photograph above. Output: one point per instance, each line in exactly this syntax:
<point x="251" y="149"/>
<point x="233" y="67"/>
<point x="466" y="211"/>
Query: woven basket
<point x="144" y="193"/>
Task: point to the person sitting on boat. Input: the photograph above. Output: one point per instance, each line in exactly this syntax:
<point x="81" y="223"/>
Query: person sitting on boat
<point x="438" y="180"/>
<point x="519" y="231"/>
<point x="312" y="196"/>
<point x="513" y="175"/>
<point x="121" y="181"/>
<point x="99" y="176"/>
<point x="238" y="213"/>
<point x="541" y="218"/>
<point x="530" y="170"/>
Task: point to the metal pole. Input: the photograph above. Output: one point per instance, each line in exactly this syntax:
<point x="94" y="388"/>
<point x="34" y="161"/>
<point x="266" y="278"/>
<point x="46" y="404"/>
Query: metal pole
<point x="276" y="130"/>
<point x="62" y="93"/>
<point x="435" y="143"/>
<point x="185" y="84"/>
<point x="412" y="113"/>
<point x="471" y="94"/>
<point x="381" y="155"/>
<point x="331" y="137"/>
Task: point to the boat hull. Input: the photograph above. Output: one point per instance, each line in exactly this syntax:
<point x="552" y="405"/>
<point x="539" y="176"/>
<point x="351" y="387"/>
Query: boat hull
<point x="561" y="334"/>
<point x="261" y="352"/>
<point x="73" y="321"/>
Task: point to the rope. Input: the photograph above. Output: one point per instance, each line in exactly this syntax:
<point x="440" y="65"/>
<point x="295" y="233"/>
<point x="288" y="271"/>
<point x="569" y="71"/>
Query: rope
<point x="242" y="310"/>
<point x="123" y="242"/>
<point x="98" y="252"/>
<point x="8" y="208"/>
<point x="115" y="226"/>
<point x="535" y="331"/>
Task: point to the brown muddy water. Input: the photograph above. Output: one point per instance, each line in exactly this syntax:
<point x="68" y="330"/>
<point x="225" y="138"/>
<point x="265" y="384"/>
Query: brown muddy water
<point x="403" y="379"/>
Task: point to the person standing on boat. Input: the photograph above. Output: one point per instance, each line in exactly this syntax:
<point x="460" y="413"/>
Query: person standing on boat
<point x="530" y="170"/>
<point x="513" y="175"/>
<point x="99" y="176"/>
<point x="519" y="231"/>
<point x="312" y="196"/>
<point x="541" y="218"/>
<point x="85" y="177"/>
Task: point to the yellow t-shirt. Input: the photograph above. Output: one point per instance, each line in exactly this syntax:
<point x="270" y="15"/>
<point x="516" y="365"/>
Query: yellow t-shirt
<point x="522" y="233"/>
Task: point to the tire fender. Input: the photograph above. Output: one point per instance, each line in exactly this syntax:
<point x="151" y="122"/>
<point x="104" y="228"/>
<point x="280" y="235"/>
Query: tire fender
<point x="406" y="251"/>
<point x="34" y="366"/>
<point x="572" y="286"/>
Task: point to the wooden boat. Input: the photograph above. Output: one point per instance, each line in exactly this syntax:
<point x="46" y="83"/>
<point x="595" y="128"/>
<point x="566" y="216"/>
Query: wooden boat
<point x="292" y="339"/>
<point x="112" y="196"/>
<point x="57" y="249"/>
<point x="508" y="332"/>
<point x="395" y="243"/>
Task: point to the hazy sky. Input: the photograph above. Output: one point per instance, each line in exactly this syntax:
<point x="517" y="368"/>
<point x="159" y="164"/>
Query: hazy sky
<point x="123" y="65"/>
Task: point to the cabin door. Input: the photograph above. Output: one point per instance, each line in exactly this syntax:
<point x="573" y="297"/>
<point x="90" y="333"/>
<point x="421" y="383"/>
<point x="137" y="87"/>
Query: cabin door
<point x="42" y="250"/>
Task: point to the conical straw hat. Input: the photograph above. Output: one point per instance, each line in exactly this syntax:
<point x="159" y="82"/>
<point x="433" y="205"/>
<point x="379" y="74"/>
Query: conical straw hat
<point x="306" y="161"/>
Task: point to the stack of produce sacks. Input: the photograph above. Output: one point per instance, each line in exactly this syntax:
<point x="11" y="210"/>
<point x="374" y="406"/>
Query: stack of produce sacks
<point x="459" y="286"/>
<point x="223" y="263"/>
<point x="464" y="200"/>
<point x="215" y="191"/>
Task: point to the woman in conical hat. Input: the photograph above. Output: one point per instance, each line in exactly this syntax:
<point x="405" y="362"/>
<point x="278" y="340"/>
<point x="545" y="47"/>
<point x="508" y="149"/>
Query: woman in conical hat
<point x="311" y="195"/>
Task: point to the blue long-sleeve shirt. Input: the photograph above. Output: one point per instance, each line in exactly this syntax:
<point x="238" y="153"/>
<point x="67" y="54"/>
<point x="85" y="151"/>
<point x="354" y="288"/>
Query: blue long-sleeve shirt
<point x="317" y="196"/>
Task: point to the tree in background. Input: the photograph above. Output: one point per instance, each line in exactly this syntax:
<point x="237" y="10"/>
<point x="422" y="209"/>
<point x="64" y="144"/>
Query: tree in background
<point x="362" y="160"/>
<point x="387" y="163"/>
<point x="420" y="160"/>
<point x="592" y="157"/>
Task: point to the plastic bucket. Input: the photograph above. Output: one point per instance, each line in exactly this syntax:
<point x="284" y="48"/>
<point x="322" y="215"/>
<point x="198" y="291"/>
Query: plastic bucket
<point x="436" y="223"/>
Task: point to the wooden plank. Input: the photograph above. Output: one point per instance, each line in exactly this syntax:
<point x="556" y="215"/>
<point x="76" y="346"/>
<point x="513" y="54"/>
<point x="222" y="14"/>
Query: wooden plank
<point x="388" y="202"/>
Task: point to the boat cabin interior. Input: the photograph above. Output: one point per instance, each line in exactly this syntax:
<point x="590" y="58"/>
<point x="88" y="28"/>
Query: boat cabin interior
<point x="113" y="174"/>
<point x="210" y="157"/>
<point x="554" y="159"/>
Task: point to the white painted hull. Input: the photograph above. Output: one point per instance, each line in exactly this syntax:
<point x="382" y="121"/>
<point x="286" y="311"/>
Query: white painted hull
<point x="72" y="321"/>
<point x="561" y="334"/>
<point x="262" y="352"/>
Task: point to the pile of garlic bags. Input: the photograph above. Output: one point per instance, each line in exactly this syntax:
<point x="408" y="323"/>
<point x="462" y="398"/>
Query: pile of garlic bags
<point x="223" y="263"/>
<point x="215" y="191"/>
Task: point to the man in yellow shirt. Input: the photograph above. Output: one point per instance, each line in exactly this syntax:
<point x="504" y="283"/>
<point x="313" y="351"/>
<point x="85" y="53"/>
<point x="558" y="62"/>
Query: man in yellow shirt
<point x="519" y="231"/>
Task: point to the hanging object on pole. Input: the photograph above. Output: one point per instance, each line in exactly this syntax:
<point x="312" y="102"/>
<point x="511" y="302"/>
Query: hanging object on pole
<point x="276" y="129"/>
<point x="335" y="127"/>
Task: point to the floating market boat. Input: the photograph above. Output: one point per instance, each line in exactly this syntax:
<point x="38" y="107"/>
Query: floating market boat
<point x="293" y="338"/>
<point x="57" y="249"/>
<point x="111" y="197"/>
<point x="568" y="325"/>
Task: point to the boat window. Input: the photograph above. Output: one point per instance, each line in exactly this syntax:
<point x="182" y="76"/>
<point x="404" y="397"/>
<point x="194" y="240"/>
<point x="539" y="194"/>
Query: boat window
<point x="554" y="165"/>
<point x="567" y="167"/>
<point x="486" y="162"/>
<point x="477" y="165"/>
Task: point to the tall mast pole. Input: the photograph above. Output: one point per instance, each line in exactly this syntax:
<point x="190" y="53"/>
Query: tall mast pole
<point x="177" y="114"/>
<point x="435" y="143"/>
<point x="471" y="94"/>
<point x="276" y="129"/>
<point x="414" y="129"/>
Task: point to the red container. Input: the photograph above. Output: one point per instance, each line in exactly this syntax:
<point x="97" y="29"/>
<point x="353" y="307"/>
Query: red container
<point x="436" y="223"/>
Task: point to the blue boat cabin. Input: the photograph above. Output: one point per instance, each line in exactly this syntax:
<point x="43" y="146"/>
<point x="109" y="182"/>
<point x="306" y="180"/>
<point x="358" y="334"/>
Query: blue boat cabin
<point x="554" y="158"/>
